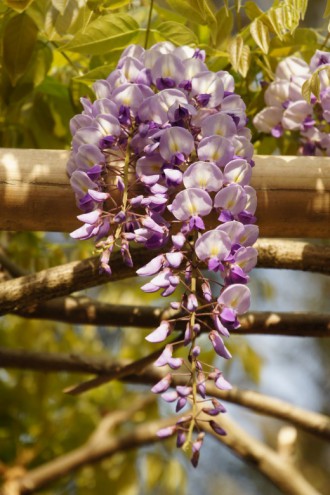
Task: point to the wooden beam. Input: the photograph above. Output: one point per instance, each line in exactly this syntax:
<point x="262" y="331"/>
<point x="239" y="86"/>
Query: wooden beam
<point x="293" y="193"/>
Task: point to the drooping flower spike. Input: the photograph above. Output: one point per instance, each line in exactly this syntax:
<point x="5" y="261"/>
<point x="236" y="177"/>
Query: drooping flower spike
<point x="287" y="110"/>
<point x="162" y="158"/>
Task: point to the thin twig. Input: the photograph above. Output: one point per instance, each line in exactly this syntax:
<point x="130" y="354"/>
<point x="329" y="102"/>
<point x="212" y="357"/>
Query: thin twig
<point x="311" y="422"/>
<point x="25" y="292"/>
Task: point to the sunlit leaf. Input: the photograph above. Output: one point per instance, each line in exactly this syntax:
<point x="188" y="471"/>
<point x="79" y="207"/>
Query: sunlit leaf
<point x="306" y="91"/>
<point x="58" y="23"/>
<point x="107" y="33"/>
<point x="235" y="50"/>
<point x="327" y="9"/>
<point x="303" y="39"/>
<point x="101" y="72"/>
<point x="252" y="10"/>
<point x="314" y="84"/>
<point x="19" y="40"/>
<point x="177" y="33"/>
<point x="18" y="5"/>
<point x="244" y="62"/>
<point x="60" y="5"/>
<point x="187" y="8"/>
<point x="224" y="25"/>
<point x="260" y="33"/>
<point x="115" y="4"/>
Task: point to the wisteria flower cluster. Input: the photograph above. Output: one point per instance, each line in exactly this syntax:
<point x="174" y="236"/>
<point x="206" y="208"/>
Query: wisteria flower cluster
<point x="162" y="158"/>
<point x="287" y="109"/>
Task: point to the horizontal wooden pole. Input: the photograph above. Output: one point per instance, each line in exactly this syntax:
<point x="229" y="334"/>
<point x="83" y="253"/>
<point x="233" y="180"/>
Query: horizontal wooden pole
<point x="293" y="193"/>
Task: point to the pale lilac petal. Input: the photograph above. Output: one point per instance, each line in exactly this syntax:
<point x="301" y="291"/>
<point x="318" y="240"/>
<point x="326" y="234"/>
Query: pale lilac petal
<point x="219" y="345"/>
<point x="91" y="218"/>
<point x="295" y="115"/>
<point x="191" y="202"/>
<point x="216" y="149"/>
<point x="249" y="236"/>
<point x="98" y="196"/>
<point x="213" y="244"/>
<point x="268" y="118"/>
<point x="235" y="230"/>
<point x="183" y="391"/>
<point x="237" y="297"/>
<point x="170" y="396"/>
<point x="246" y="258"/>
<point x="162" y="385"/>
<point x="165" y="356"/>
<point x="291" y="66"/>
<point x="238" y="171"/>
<point x="219" y="124"/>
<point x="166" y="432"/>
<point x="222" y="384"/>
<point x="174" y="259"/>
<point x="160" y="334"/>
<point x="175" y="140"/>
<point x="251" y="203"/>
<point x="208" y="83"/>
<point x="167" y="66"/>
<point x="79" y="121"/>
<point x="81" y="183"/>
<point x="152" y="267"/>
<point x="232" y="198"/>
<point x="88" y="155"/>
<point x="204" y="175"/>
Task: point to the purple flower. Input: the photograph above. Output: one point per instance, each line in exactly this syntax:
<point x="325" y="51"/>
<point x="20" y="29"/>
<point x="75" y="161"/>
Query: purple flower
<point x="162" y="385"/>
<point x="190" y="203"/>
<point x="213" y="246"/>
<point x="175" y="144"/>
<point x="161" y="333"/>
<point x="203" y="175"/>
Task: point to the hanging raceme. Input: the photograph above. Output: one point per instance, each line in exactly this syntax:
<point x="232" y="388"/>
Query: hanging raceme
<point x="161" y="150"/>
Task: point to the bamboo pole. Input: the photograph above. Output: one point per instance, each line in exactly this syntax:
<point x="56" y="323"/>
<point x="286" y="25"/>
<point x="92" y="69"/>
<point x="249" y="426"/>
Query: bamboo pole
<point x="293" y="193"/>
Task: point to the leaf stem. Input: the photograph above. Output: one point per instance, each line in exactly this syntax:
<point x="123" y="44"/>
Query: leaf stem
<point x="148" y="24"/>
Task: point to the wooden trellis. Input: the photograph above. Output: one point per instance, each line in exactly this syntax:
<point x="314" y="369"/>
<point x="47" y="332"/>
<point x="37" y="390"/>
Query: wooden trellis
<point x="293" y="194"/>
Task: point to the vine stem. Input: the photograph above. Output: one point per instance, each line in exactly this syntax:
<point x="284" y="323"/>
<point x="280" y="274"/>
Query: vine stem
<point x="148" y="24"/>
<point x="193" y="290"/>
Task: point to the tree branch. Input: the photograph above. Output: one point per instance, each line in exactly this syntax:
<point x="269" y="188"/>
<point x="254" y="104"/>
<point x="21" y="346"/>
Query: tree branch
<point x="87" y="311"/>
<point x="293" y="255"/>
<point x="267" y="461"/>
<point x="28" y="291"/>
<point x="315" y="423"/>
<point x="312" y="422"/>
<point x="96" y="448"/>
<point x="283" y="475"/>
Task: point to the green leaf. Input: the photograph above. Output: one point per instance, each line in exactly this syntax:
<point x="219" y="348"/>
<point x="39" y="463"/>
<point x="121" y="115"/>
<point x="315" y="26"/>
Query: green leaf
<point x="196" y="11"/>
<point x="306" y="91"/>
<point x="177" y="33"/>
<point x="101" y="72"/>
<point x="60" y="5"/>
<point x="105" y="34"/>
<point x="260" y="33"/>
<point x="19" y="40"/>
<point x="252" y="10"/>
<point x="187" y="8"/>
<point x="235" y="50"/>
<point x="314" y="84"/>
<point x="303" y="39"/>
<point x="327" y="9"/>
<point x="116" y="4"/>
<point x="18" y="5"/>
<point x="224" y="25"/>
<point x="244" y="62"/>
